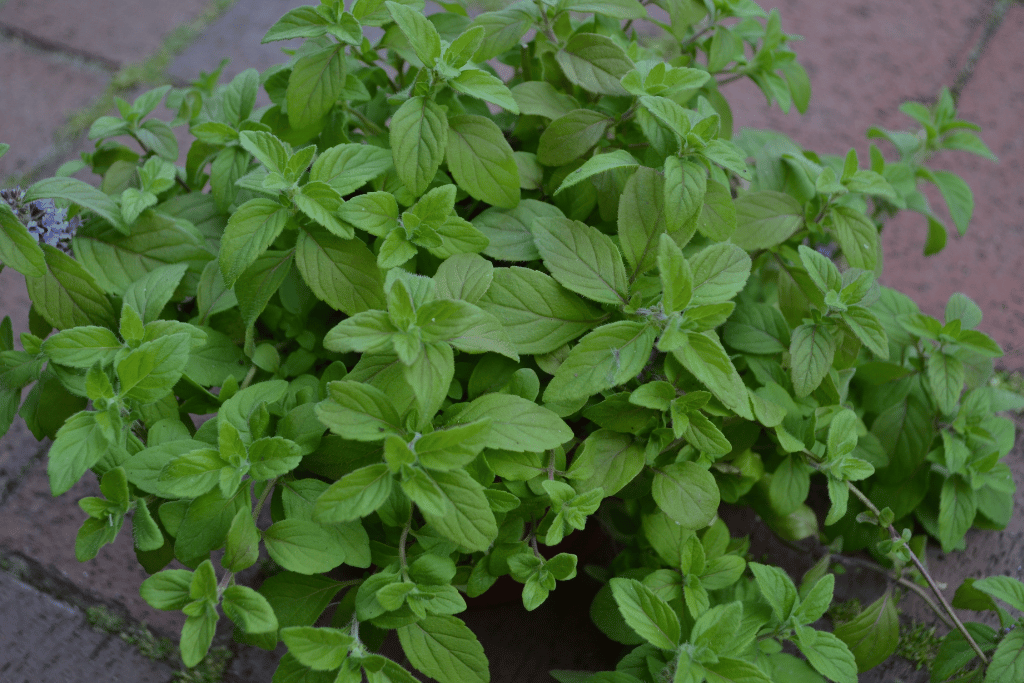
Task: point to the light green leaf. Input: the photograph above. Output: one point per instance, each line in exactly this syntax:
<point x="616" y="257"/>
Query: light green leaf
<point x="606" y="460"/>
<point x="647" y="614"/>
<point x="466" y="518"/>
<point x="79" y="444"/>
<point x="249" y="610"/>
<point x="599" y="163"/>
<point x="957" y="194"/>
<point x="687" y="493"/>
<point x="510" y="232"/>
<point x="717" y="217"/>
<point x="720" y="271"/>
<point x="827" y="654"/>
<point x="704" y="357"/>
<point x="481" y="160"/>
<point x="347" y="167"/>
<point x="320" y="649"/>
<point x="538" y="314"/>
<point x="540" y="98"/>
<point x="82" y="347"/>
<point x="197" y="635"/>
<point x="757" y="328"/>
<point x="872" y="635"/>
<point x="483" y="86"/>
<point x="419" y="137"/>
<point x="18" y="248"/>
<point x="301" y="22"/>
<point x="266" y="147"/>
<point x="516" y="424"/>
<point x="776" y="587"/>
<point x="616" y="9"/>
<point x="675" y="274"/>
<point x="958" y="504"/>
<point x="868" y="329"/>
<point x="444" y="648"/>
<point x="858" y="238"/>
<point x="685" y="187"/>
<point x="422" y="35"/>
<point x="582" y="259"/>
<point x="766" y="219"/>
<point x="946" y="377"/>
<point x="252" y="228"/>
<point x="1008" y="660"/>
<point x="81" y="193"/>
<point x="67" y="295"/>
<point x="304" y="547"/>
<point x="273" y="456"/>
<point x="812" y="350"/>
<point x="595" y="63"/>
<point x="314" y="86"/>
<point x="568" y="137"/>
<point x="149" y="294"/>
<point x="342" y="273"/>
<point x="358" y="411"/>
<point x="642" y="219"/>
<point x="167" y="590"/>
<point x="464" y="276"/>
<point x="149" y="372"/>
<point x="504" y="29"/>
<point x="608" y="356"/>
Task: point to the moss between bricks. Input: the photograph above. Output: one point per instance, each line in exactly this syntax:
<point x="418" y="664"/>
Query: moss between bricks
<point x="210" y="670"/>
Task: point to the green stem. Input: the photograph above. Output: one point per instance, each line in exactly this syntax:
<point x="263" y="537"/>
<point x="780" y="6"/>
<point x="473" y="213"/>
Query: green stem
<point x="248" y="378"/>
<point x="374" y="128"/>
<point x="924" y="572"/>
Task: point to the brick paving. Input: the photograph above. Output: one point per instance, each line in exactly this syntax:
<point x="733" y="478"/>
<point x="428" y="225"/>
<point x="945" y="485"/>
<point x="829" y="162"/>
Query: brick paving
<point x="864" y="58"/>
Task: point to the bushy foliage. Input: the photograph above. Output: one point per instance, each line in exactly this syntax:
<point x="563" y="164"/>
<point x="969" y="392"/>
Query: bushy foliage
<point x="469" y="283"/>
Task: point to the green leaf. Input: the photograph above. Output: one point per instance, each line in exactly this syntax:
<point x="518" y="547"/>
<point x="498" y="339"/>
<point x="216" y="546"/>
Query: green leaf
<point x="444" y="648"/>
<point x="704" y="357"/>
<point x="206" y="524"/>
<point x="347" y="167"/>
<point x="257" y="284"/>
<point x="1008" y="660"/>
<point x="868" y="329"/>
<point x="242" y="547"/>
<point x="82" y="347"/>
<point x="791" y="482"/>
<point x="582" y="259"/>
<point x="266" y="147"/>
<point x="595" y="63"/>
<point x="540" y="98"/>
<point x="642" y="219"/>
<point x="465" y="326"/>
<point x="304" y="547"/>
<point x="197" y="635"/>
<point x="467" y="518"/>
<point x="606" y="460"/>
<point x="757" y="328"/>
<point x="239" y="409"/>
<point x="720" y="271"/>
<point x="149" y="294"/>
<point x="616" y="9"/>
<point x="320" y="202"/>
<point x="872" y="635"/>
<point x="355" y="495"/>
<point x="821" y="270"/>
<point x="597" y="164"/>
<point x="297" y="599"/>
<point x="145" y="532"/>
<point x="504" y="29"/>
<point x="946" y="376"/>
<point x="646" y="613"/>
<point x="67" y="294"/>
<point x="957" y="194"/>
<point x="321" y="649"/>
<point x="827" y="654"/>
<point x="812" y="350"/>
<point x="675" y="274"/>
<point x="483" y="86"/>
<point x="568" y="137"/>
<point x="272" y="457"/>
<point x="516" y="424"/>
<point x="167" y="590"/>
<point x="149" y="372"/>
<point x="685" y="187"/>
<point x="960" y="307"/>
<point x="958" y="504"/>
<point x="1005" y="588"/>
<point x="419" y="137"/>
<point x="252" y="228"/>
<point x="422" y="35"/>
<point x="359" y="411"/>
<point x="538" y="314"/>
<point x="81" y="193"/>
<point x="78" y="445"/>
<point x="687" y="493"/>
<point x="609" y="356"/>
<point x="301" y="22"/>
<point x="481" y="160"/>
<point x="342" y="273"/>
<point x="18" y="248"/>
<point x="717" y="217"/>
<point x="314" y="86"/>
<point x="858" y="238"/>
<point x="249" y="610"/>
<point x="464" y="276"/>
<point x="777" y="588"/>
<point x="729" y="670"/>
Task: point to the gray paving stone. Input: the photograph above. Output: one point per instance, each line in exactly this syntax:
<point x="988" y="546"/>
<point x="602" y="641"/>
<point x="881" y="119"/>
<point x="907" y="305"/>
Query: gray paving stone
<point x="39" y="92"/>
<point x="120" y="31"/>
<point x="45" y="640"/>
<point x="42" y="527"/>
<point x="988" y="262"/>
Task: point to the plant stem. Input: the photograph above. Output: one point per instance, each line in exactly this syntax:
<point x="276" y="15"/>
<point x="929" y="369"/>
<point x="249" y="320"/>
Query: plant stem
<point x="403" y="539"/>
<point x="924" y="572"/>
<point x="373" y="127"/>
<point x="248" y="378"/>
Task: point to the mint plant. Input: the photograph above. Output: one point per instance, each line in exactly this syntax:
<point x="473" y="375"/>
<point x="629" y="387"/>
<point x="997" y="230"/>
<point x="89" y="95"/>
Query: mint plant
<point x="437" y="320"/>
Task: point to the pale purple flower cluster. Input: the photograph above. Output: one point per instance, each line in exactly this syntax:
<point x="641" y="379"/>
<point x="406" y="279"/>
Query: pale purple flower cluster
<point x="47" y="223"/>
